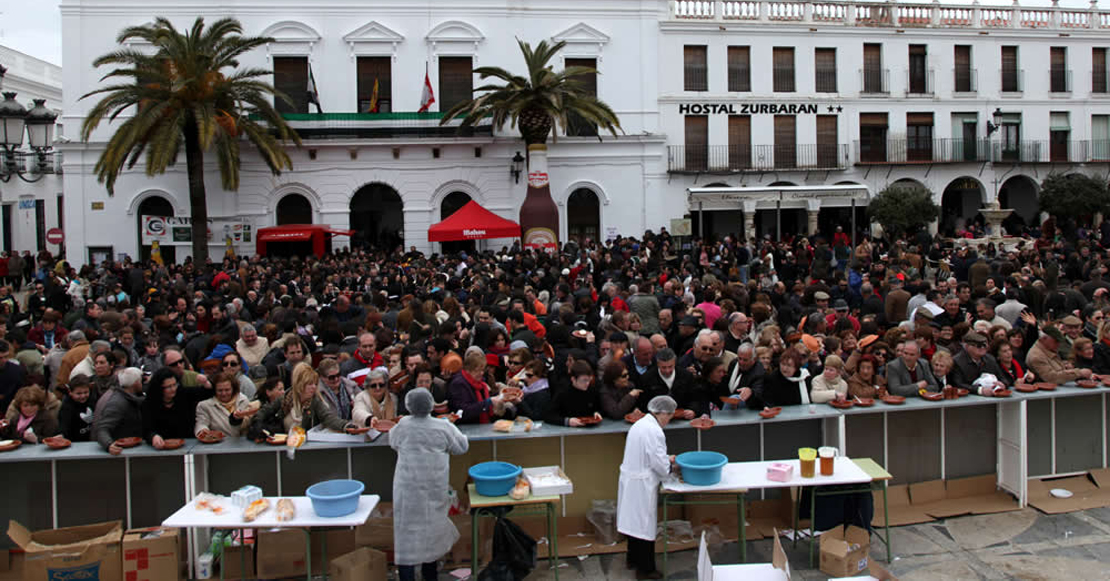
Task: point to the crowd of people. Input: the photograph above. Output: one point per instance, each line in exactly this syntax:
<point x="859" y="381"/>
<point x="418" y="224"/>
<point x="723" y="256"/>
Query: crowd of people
<point x="251" y="347"/>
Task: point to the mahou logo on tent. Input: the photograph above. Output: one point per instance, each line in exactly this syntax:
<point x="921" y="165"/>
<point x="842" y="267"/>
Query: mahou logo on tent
<point x="470" y="233"/>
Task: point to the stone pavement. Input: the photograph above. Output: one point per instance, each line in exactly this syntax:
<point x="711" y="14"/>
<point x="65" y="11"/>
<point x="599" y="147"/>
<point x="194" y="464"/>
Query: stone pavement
<point x="1024" y="544"/>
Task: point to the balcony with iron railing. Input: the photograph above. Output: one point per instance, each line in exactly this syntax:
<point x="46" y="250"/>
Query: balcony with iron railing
<point x="920" y="83"/>
<point x="892" y="14"/>
<point x="908" y="151"/>
<point x="1050" y="151"/>
<point x="381" y="126"/>
<point x="874" y="81"/>
<point x="720" y="159"/>
<point x="1059" y="80"/>
<point x="1012" y="80"/>
<point x="965" y="81"/>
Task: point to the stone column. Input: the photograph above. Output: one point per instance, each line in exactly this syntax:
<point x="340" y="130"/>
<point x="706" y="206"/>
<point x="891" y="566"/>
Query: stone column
<point x="749" y="220"/>
<point x="812" y="226"/>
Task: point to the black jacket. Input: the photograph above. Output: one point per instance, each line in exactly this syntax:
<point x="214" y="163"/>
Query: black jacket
<point x="753" y="379"/>
<point x="777" y="391"/>
<point x="574" y="403"/>
<point x="653" y="386"/>
<point x="176" y="421"/>
<point x="70" y="424"/>
<point x="965" y="371"/>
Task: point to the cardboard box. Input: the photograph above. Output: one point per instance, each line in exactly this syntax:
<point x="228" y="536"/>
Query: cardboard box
<point x="84" y="552"/>
<point x="531" y="474"/>
<point x="237" y="562"/>
<point x="362" y="564"/>
<point x="281" y="553"/>
<point x="152" y="554"/>
<point x="377" y="532"/>
<point x="844" y="551"/>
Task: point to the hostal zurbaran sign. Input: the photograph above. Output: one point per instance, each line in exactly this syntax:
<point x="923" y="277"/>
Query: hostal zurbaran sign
<point x="751" y="108"/>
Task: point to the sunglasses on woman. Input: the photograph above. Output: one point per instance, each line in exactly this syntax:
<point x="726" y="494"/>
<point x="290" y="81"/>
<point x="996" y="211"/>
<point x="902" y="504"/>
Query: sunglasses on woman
<point x="377" y="385"/>
<point x="231" y="364"/>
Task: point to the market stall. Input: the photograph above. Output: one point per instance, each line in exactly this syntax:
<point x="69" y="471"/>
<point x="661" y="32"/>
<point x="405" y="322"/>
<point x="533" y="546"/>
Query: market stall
<point x="473" y="222"/>
<point x="297" y="239"/>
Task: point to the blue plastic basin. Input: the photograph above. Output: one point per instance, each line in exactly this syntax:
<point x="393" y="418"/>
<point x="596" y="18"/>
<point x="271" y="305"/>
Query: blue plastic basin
<point x="701" y="468"/>
<point x="494" y="478"/>
<point x="332" y="498"/>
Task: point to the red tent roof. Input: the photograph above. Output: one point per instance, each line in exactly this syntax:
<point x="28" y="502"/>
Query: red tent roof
<point x="472" y="222"/>
<point x="297" y="232"/>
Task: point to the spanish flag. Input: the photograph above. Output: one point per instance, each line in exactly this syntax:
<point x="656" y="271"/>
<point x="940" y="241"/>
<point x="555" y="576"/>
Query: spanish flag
<point x="374" y="98"/>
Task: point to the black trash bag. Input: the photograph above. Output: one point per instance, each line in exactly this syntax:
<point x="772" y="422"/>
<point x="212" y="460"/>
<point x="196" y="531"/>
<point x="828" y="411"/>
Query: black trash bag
<point x="849" y="508"/>
<point x="514" y="553"/>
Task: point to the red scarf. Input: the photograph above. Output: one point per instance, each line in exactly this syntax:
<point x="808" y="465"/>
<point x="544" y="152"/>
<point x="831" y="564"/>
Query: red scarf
<point x="481" y="392"/>
<point x="377" y="359"/>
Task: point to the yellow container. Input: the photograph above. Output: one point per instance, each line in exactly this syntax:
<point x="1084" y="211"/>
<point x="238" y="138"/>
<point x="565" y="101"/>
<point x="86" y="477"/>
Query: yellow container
<point x="808" y="459"/>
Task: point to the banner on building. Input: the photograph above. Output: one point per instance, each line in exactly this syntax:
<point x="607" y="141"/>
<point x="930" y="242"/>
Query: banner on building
<point x="174" y="231"/>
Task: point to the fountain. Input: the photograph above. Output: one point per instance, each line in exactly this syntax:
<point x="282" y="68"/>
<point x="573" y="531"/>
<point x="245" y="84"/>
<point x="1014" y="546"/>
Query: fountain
<point x="994" y="215"/>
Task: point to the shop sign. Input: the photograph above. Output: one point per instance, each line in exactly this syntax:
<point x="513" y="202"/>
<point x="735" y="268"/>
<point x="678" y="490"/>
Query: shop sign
<point x="754" y="108"/>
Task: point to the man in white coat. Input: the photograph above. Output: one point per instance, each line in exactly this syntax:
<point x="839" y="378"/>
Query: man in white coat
<point x="422" y="532"/>
<point x="645" y="465"/>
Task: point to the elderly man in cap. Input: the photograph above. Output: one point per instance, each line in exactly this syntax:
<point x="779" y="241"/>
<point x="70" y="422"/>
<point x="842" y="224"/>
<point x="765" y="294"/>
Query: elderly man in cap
<point x="971" y="363"/>
<point x="1072" y="326"/>
<point x="821" y="301"/>
<point x="840" y="313"/>
<point x="1044" y="359"/>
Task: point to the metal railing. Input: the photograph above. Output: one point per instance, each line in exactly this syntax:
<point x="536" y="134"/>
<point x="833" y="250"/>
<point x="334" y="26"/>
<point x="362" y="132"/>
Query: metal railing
<point x="1049" y="151"/>
<point x="894" y="15"/>
<point x="825" y="80"/>
<point x="874" y="81"/>
<point x="919" y="85"/>
<point x="1059" y="80"/>
<point x="743" y="158"/>
<point x="695" y="78"/>
<point x="380" y="125"/>
<point x="1013" y="80"/>
<point x="783" y="79"/>
<point x="912" y="151"/>
<point x="965" y="81"/>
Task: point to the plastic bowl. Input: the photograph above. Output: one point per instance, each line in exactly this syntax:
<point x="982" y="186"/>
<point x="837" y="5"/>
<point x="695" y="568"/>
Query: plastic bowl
<point x="701" y="468"/>
<point x="334" y="498"/>
<point x="494" y="478"/>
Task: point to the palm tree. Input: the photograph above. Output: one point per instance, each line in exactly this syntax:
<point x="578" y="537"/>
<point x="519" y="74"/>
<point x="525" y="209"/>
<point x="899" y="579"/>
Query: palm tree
<point x="181" y="95"/>
<point x="538" y="102"/>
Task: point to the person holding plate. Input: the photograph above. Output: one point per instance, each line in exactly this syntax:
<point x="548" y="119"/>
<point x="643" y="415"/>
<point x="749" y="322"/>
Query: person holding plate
<point x="582" y="400"/>
<point x="376" y="402"/>
<point x="228" y="411"/>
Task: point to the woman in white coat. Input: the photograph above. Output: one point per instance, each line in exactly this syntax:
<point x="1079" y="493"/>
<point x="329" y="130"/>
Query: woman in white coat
<point x="422" y="532"/>
<point x="645" y="465"/>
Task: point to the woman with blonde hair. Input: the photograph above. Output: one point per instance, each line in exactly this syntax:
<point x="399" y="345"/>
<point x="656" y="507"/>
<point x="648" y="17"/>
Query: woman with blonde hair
<point x="301" y="406"/>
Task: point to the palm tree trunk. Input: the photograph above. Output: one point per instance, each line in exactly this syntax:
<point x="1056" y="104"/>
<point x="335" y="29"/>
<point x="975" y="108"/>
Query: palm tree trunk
<point x="198" y="199"/>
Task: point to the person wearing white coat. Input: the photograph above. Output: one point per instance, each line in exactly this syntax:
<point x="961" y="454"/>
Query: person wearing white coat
<point x="422" y="531"/>
<point x="645" y="465"/>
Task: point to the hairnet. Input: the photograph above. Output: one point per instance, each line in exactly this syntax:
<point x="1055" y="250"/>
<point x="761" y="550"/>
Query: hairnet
<point x="419" y="402"/>
<point x="660" y="404"/>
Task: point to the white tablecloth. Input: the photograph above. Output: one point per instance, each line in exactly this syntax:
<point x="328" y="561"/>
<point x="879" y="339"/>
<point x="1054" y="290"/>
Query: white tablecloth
<point x="189" y="516"/>
<point x="753" y="475"/>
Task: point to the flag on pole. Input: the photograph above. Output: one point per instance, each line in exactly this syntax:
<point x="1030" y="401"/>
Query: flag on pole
<point x="313" y="94"/>
<point x="428" y="96"/>
<point x="374" y="98"/>
<point x="156" y="253"/>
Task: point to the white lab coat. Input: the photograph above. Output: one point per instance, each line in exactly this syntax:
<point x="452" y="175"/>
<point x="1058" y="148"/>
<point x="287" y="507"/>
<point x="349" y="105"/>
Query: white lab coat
<point x="645" y="465"/>
<point x="422" y="531"/>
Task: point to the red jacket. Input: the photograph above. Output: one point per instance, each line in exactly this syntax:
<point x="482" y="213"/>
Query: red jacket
<point x="37" y="334"/>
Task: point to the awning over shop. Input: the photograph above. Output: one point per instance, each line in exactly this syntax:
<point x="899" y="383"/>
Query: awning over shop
<point x="730" y="198"/>
<point x="318" y="234"/>
<point x="473" y="222"/>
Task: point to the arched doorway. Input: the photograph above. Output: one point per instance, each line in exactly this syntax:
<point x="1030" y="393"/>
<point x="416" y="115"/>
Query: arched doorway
<point x="712" y="224"/>
<point x="377" y="217"/>
<point x="1020" y="194"/>
<point x="155" y="206"/>
<point x="959" y="205"/>
<point x="294" y="209"/>
<point x="452" y="203"/>
<point x="583" y="215"/>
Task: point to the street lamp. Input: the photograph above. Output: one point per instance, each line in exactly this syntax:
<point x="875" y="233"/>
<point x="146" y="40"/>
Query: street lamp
<point x="39" y="122"/>
<point x="517" y="166"/>
<point x="992" y="127"/>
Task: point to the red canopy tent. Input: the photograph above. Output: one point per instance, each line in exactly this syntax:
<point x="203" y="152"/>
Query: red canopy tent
<point x="472" y="222"/>
<point x="317" y="235"/>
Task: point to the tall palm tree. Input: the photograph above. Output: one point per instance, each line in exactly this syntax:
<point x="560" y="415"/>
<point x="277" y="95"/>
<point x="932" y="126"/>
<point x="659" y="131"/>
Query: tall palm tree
<point x="536" y="103"/>
<point x="189" y="92"/>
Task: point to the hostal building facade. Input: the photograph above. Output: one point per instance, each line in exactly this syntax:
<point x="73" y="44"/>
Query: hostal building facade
<point x="781" y="116"/>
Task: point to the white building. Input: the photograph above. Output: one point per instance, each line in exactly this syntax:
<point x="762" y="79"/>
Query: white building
<point x="396" y="172"/>
<point x="976" y="103"/>
<point x="751" y="96"/>
<point x="29" y="210"/>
